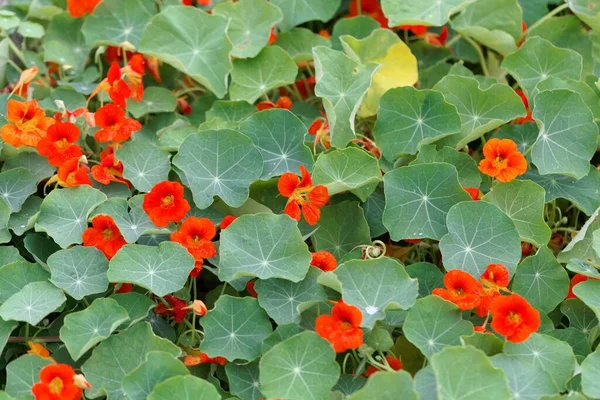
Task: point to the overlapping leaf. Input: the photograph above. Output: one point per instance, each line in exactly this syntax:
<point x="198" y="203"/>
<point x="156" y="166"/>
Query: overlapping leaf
<point x="32" y="303"/>
<point x="15" y="186"/>
<point x="417" y="12"/>
<point x="296" y="12"/>
<point x="144" y="164"/>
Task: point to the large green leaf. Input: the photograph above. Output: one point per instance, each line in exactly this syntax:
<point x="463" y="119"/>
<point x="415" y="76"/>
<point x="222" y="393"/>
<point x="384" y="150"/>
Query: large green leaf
<point x="359" y="27"/>
<point x="494" y="23"/>
<point x="82" y="330"/>
<point x="184" y="388"/>
<point x="120" y="354"/>
<point x="480" y="380"/>
<point x="551" y="355"/>
<point x="192" y="41"/>
<point x="541" y="280"/>
<point x="468" y="174"/>
<point x="263" y="245"/>
<point x="376" y="285"/>
<point x="156" y="100"/>
<point x="587" y="94"/>
<point x="144" y="164"/>
<point x="117" y="22"/>
<point x="235" y="328"/>
<point x="64" y="42"/>
<point x="219" y="163"/>
<point x="34" y="163"/>
<point x="6" y="328"/>
<point x="15" y="187"/>
<point x="279" y="136"/>
<point x="163" y="269"/>
<point x="408" y="118"/>
<point x="480" y="110"/>
<point x="523" y="202"/>
<point x="428" y="275"/>
<point x="79" y="271"/>
<point x="302" y="367"/>
<point x="15" y="275"/>
<point x="253" y="77"/>
<point x="538" y="59"/>
<point x="136" y="304"/>
<point x="64" y="213"/>
<point x="568" y="134"/>
<point x="284" y="300"/>
<point x="386" y="385"/>
<point x="373" y="212"/>
<point x="250" y="23"/>
<point x="348" y="169"/>
<point x="296" y="12"/>
<point x="588" y="11"/>
<point x="158" y="367"/>
<point x="243" y="380"/>
<point x="479" y="234"/>
<point x="299" y="42"/>
<point x="22" y="373"/>
<point x="342" y="82"/>
<point x="433" y="323"/>
<point x="418" y="198"/>
<point x="342" y="227"/>
<point x="417" y="12"/>
<point x="580" y="316"/>
<point x="590" y="370"/>
<point x="129" y="216"/>
<point x="32" y="303"/>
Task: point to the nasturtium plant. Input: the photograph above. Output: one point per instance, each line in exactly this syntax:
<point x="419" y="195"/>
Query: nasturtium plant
<point x="299" y="199"/>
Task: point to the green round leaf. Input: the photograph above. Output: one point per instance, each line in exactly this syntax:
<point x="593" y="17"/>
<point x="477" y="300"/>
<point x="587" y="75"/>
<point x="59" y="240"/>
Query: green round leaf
<point x="296" y="12"/>
<point x="6" y="328"/>
<point x="24" y="220"/>
<point x="34" y="163"/>
<point x="418" y="198"/>
<point x="580" y="316"/>
<point x="243" y="380"/>
<point x="416" y="12"/>
<point x="144" y="164"/>
<point x="428" y="275"/>
<point x="33" y="303"/>
<point x="299" y="42"/>
<point x="163" y="269"/>
<point x="433" y="323"/>
<point x="158" y="367"/>
<point x="156" y="100"/>
<point x="136" y="304"/>
<point x="376" y="285"/>
<point x="184" y="388"/>
<point x="581" y="88"/>
<point x="468" y="174"/>
<point x="385" y="385"/>
<point x="79" y="271"/>
<point x="590" y="369"/>
<point x="22" y="373"/>
<point x="281" y="333"/>
<point x="526" y="381"/>
<point x="235" y="328"/>
<point x="479" y="234"/>
<point x="16" y="274"/>
<point x="219" y="163"/>
<point x="16" y="185"/>
<point x="302" y="367"/>
<point x="82" y="330"/>
<point x="265" y="246"/>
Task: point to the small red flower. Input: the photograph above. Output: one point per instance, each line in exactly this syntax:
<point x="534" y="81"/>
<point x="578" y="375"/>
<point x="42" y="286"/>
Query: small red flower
<point x="177" y="308"/>
<point x="250" y="289"/>
<point x="272" y="36"/>
<point x="109" y="170"/>
<point x="58" y="145"/>
<point x="114" y="126"/>
<point x="196" y="234"/>
<point x="199" y="308"/>
<point x="418" y="30"/>
<point x="474" y="192"/>
<point x="73" y="173"/>
<point x="412" y="241"/>
<point x="118" y="90"/>
<point x="282" y="102"/>
<point x="165" y="203"/>
<point x="203" y="358"/>
<point x="303" y="197"/>
<point x="227" y="221"/>
<point x="304" y="86"/>
<point x="79" y="8"/>
<point x="323" y="260"/>
<point x="320" y="130"/>
<point x="104" y="234"/>
<point x="496" y="276"/>
<point x="577" y="278"/>
<point x="369" y="8"/>
<point x="57" y="383"/>
<point x="184" y="106"/>
<point x="341" y="328"/>
<point x="393" y="362"/>
<point x="461" y="289"/>
<point x="115" y="54"/>
<point x="527" y="249"/>
<point x="124" y="288"/>
<point x="437" y="39"/>
<point x="514" y="318"/>
<point x="502" y="160"/>
<point x="134" y="73"/>
<point x="486" y="299"/>
<point x="529" y="116"/>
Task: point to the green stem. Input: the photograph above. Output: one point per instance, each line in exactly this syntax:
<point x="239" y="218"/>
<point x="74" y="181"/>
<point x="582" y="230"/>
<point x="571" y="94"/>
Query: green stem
<point x="547" y="17"/>
<point x="15" y="49"/>
<point x="26" y="332"/>
<point x="477" y="48"/>
<point x="358" y="7"/>
<point x="181" y="92"/>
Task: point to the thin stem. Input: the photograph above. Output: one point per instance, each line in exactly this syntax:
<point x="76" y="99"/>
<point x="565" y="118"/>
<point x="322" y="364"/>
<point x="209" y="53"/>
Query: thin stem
<point x="358" y="7"/>
<point x="454" y="39"/>
<point x="181" y="92"/>
<point x="546" y="17"/>
<point x="15" y="49"/>
<point x="26" y="332"/>
<point x="477" y="48"/>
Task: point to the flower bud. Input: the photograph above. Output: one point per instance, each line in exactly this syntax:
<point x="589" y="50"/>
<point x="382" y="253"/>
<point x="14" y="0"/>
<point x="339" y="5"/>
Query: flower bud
<point x="199" y="308"/>
<point x="80" y="381"/>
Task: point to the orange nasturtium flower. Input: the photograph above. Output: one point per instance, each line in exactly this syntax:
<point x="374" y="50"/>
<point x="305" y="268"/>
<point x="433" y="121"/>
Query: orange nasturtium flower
<point x="437" y="39"/>
<point x="104" y="234"/>
<point x="303" y="196"/>
<point x="79" y="8"/>
<point x="59" y="144"/>
<point x="118" y="90"/>
<point x="39" y="350"/>
<point x="502" y="160"/>
<point x="282" y="102"/>
<point x="323" y="260"/>
<point x="165" y="203"/>
<point x="227" y="220"/>
<point x="203" y="358"/>
<point x="73" y="173"/>
<point x="196" y="234"/>
<point x="22" y="86"/>
<point x="114" y="126"/>
<point x="514" y="318"/>
<point x="370" y="8"/>
<point x="461" y="289"/>
<point x="393" y="362"/>
<point x="109" y="170"/>
<point x="320" y="130"/>
<point x="57" y="382"/>
<point x="496" y="276"/>
<point x="342" y="327"/>
<point x="28" y="126"/>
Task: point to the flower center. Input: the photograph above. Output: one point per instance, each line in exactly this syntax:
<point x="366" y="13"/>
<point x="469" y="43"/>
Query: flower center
<point x="62" y="143"/>
<point x="500" y="162"/>
<point x="458" y="292"/>
<point x="301" y="195"/>
<point x="345" y="326"/>
<point x="56" y="385"/>
<point x="514" y="317"/>
<point x="167" y="201"/>
<point x="107" y="233"/>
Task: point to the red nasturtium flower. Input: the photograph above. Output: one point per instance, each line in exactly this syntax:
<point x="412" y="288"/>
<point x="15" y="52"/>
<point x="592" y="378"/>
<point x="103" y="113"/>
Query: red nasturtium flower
<point x="124" y="288"/>
<point x="177" y="308"/>
<point x="115" y="54"/>
<point x="461" y="289"/>
<point x="495" y="276"/>
<point x="118" y="90"/>
<point x="323" y="260"/>
<point x="196" y="235"/>
<point x="474" y="192"/>
<point x="28" y="126"/>
<point x="303" y="196"/>
<point x="320" y="130"/>
<point x="134" y="73"/>
<point x="79" y="8"/>
<point x="57" y="382"/>
<point x="342" y="327"/>
<point x="250" y="288"/>
<point x="528" y="117"/>
<point x="282" y="102"/>
<point x="104" y="234"/>
<point x="502" y="160"/>
<point x="203" y="358"/>
<point x="370" y="8"/>
<point x="114" y="127"/>
<point x="418" y="30"/>
<point x="165" y="203"/>
<point x="184" y="106"/>
<point x="437" y="39"/>
<point x="272" y="36"/>
<point x="109" y="170"/>
<point x="393" y="362"/>
<point x="487" y="297"/>
<point x="577" y="278"/>
<point x="59" y="144"/>
<point x="73" y="173"/>
<point x="514" y="318"/>
<point x="227" y="221"/>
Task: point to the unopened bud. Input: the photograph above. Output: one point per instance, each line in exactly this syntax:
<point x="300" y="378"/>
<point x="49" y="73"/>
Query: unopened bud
<point x="80" y="381"/>
<point x="199" y="308"/>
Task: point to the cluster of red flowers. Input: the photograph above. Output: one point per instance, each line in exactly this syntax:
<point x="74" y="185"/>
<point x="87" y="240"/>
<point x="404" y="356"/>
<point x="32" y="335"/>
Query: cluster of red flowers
<point x="512" y="316"/>
<point x="303" y="198"/>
